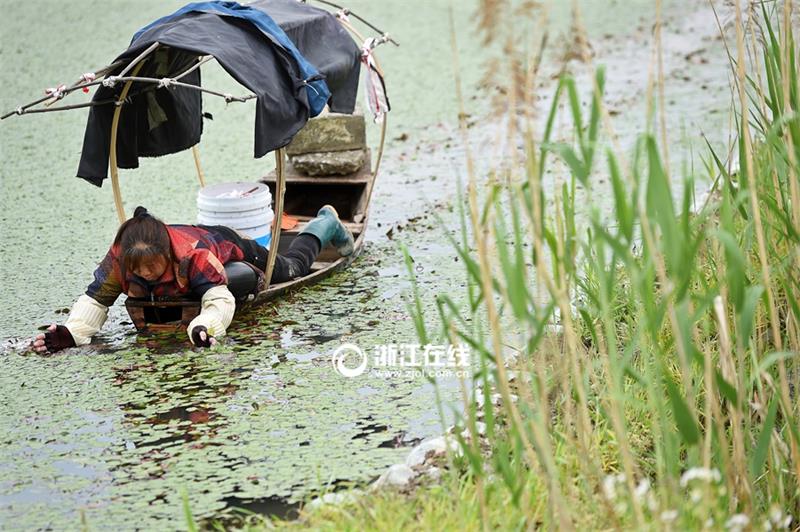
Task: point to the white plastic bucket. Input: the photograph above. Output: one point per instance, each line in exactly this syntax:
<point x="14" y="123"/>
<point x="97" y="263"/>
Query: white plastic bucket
<point x="243" y="206"/>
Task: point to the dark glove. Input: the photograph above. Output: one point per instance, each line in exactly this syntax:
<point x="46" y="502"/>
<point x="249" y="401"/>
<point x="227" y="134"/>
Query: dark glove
<point x="59" y="339"/>
<point x="201" y="341"/>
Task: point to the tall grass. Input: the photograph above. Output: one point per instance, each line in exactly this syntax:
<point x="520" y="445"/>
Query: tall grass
<point x="655" y="358"/>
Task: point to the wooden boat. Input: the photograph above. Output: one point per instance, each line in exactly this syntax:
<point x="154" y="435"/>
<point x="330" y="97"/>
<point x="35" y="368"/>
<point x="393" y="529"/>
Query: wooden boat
<point x="303" y="196"/>
<point x="129" y="79"/>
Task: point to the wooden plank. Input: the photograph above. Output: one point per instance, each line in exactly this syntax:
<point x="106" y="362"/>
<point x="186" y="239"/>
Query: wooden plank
<point x="140" y="303"/>
<point x="351" y="179"/>
<point x="354" y="228"/>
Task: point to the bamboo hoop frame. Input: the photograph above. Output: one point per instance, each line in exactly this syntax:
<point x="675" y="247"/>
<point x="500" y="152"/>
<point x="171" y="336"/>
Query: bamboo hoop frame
<point x="348" y="12"/>
<point x="196" y="155"/>
<point x="139" y="58"/>
<point x="112" y="153"/>
<point x="377" y="160"/>
<point x="134" y="67"/>
<point x="382" y="141"/>
<point x="275" y="235"/>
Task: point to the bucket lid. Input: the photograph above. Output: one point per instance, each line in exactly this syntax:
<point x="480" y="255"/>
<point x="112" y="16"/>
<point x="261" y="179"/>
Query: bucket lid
<point x="234" y="197"/>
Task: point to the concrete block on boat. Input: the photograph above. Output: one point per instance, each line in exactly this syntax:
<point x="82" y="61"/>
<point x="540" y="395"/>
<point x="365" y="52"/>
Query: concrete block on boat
<point x="330" y="132"/>
<point x="329" y="163"/>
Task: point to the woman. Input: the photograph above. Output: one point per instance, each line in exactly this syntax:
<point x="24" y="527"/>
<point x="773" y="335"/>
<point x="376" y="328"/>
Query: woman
<point x="151" y="259"/>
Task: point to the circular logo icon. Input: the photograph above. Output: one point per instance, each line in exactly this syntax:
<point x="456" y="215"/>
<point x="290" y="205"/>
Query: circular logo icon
<point x="341" y="354"/>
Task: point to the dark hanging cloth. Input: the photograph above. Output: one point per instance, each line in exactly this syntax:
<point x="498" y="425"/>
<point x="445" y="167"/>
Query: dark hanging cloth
<point x="161" y="120"/>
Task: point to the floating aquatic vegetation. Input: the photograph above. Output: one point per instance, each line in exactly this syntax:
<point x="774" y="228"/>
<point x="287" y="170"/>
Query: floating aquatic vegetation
<point x="117" y="435"/>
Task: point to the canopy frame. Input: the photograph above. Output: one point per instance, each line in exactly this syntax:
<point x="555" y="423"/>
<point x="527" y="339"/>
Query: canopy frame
<point x="129" y="75"/>
<point x="275" y="234"/>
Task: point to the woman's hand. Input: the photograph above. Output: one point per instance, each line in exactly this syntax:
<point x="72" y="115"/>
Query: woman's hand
<point x="56" y="338"/>
<point x="201" y="338"/>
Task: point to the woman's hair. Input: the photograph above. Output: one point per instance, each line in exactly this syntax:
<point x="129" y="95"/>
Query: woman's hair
<point x="142" y="238"/>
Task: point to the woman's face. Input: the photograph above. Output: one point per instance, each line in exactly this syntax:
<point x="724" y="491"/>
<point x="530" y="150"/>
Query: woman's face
<point x="150" y="270"/>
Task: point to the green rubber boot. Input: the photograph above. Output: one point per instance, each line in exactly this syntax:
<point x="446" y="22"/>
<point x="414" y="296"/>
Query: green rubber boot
<point x="328" y="228"/>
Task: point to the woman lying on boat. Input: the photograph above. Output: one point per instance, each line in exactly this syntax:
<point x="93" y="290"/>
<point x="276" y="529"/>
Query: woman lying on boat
<point x="152" y="259"/>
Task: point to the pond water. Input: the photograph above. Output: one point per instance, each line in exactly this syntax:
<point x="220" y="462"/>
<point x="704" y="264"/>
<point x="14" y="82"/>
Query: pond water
<point x="114" y="433"/>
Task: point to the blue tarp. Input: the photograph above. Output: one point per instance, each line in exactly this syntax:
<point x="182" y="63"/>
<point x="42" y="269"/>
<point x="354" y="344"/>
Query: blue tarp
<point x="274" y="48"/>
<point x="317" y="90"/>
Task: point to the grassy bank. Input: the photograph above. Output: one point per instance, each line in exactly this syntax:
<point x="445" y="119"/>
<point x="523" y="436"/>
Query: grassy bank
<point x="647" y="367"/>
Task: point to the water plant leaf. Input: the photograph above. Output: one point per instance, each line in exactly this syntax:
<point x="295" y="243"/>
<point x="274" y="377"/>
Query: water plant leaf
<point x="771" y="359"/>
<point x="476" y="345"/>
<point x="548" y="129"/>
<point x="687" y="425"/>
<point x="191" y="526"/>
<point x="660" y="205"/>
<point x="594" y="116"/>
<point x="747" y="312"/>
<point x="513" y="269"/>
<point x="568" y="155"/>
<point x="735" y="275"/>
<point x="726" y="389"/>
<point x="574" y="103"/>
<point x="510" y="477"/>
<point x="623" y="209"/>
<point x="762" y="445"/>
<point x="726" y="177"/>
<point x="794" y="305"/>
<point x="415" y="309"/>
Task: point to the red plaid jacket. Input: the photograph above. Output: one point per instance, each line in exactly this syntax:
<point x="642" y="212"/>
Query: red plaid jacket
<point x="200" y="256"/>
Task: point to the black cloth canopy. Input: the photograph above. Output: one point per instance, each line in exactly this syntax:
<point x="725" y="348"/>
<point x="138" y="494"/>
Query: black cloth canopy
<point x="157" y="120"/>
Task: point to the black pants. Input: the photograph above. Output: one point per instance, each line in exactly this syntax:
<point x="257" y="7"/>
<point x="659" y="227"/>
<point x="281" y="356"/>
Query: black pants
<point x="296" y="262"/>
